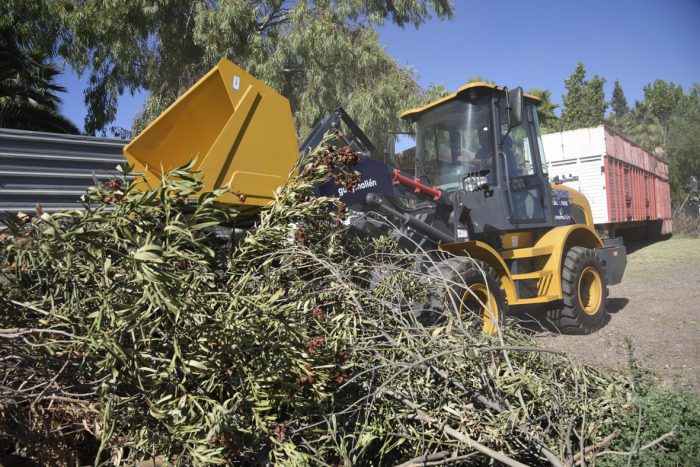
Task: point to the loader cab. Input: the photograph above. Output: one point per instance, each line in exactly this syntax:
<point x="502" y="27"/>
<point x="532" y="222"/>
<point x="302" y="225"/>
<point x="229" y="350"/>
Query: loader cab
<point x="482" y="145"/>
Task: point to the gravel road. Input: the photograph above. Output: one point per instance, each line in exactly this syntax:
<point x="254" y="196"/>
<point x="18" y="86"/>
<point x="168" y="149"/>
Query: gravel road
<point x="657" y="306"/>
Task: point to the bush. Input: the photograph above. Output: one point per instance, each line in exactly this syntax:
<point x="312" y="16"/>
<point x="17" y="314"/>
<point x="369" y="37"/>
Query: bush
<point x="657" y="411"/>
<point x="686" y="226"/>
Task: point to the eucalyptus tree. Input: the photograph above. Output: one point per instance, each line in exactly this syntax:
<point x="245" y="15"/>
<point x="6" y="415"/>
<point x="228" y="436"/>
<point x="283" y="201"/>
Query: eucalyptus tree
<point x="318" y="53"/>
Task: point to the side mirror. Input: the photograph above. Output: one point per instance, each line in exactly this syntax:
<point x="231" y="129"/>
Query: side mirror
<point x="514" y="100"/>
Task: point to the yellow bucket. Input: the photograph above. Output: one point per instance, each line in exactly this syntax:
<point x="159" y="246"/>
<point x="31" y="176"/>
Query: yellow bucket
<point x="240" y="130"/>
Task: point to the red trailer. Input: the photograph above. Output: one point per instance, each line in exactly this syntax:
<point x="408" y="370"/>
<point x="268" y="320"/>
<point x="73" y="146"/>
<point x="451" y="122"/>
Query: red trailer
<point x="627" y="186"/>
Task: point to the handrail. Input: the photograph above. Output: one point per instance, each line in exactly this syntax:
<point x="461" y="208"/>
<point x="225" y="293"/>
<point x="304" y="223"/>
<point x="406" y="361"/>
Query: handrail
<point x="508" y="188"/>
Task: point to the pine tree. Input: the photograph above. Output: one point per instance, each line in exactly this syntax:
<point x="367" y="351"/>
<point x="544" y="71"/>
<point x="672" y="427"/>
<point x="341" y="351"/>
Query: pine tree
<point x="584" y="102"/>
<point x="618" y="103"/>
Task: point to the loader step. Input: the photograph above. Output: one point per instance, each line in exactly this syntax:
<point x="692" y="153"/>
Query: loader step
<point x="521" y="253"/>
<point x="531" y="275"/>
<point x="533" y="300"/>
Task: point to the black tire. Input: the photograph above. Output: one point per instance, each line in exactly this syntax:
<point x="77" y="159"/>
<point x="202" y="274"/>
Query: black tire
<point x="466" y="280"/>
<point x="583" y="309"/>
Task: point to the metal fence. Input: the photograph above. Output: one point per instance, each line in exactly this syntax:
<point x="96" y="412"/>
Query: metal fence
<point x="51" y="169"/>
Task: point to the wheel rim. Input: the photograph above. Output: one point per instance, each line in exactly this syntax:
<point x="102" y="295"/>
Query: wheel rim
<point x="590" y="290"/>
<point x="479" y="300"/>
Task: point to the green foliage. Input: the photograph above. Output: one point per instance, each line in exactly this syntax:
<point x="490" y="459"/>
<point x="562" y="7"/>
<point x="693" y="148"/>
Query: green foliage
<point x="584" y="101"/>
<point x="319" y="54"/>
<point x="433" y="93"/>
<point x="662" y="99"/>
<point x="480" y="79"/>
<point x="374" y="94"/>
<point x="618" y="103"/>
<point x="549" y="121"/>
<point x="683" y="143"/>
<point x="28" y="99"/>
<point x="640" y="126"/>
<point x="657" y="410"/>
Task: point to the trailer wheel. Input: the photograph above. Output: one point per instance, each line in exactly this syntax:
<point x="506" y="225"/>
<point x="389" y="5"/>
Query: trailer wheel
<point x="475" y="292"/>
<point x="585" y="288"/>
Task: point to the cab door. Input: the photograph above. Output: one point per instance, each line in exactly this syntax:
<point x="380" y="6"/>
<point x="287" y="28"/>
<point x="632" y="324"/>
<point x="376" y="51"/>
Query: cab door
<point x="528" y="199"/>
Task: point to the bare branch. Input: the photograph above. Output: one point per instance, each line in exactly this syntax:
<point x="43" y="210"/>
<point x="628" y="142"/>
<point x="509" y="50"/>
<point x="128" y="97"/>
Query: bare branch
<point x="603" y="442"/>
<point x="634" y="452"/>
<point x="459" y="436"/>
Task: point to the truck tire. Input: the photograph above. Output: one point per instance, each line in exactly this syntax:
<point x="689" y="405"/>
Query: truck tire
<point x="585" y="288"/>
<point x="468" y="292"/>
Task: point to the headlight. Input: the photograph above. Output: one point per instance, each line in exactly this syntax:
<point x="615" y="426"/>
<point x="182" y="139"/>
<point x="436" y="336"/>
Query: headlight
<point x="475" y="183"/>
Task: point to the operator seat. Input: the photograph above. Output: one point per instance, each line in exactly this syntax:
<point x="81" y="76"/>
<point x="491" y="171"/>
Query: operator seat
<point x="513" y="167"/>
<point x="484" y="156"/>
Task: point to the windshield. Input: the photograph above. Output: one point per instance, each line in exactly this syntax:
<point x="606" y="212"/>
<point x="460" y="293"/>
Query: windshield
<point x="453" y="141"/>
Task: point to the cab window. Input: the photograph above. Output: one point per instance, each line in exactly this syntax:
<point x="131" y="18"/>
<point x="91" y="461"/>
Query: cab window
<point x="516" y="145"/>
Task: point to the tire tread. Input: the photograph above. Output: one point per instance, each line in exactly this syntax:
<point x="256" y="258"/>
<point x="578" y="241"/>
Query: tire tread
<point x="570" y="318"/>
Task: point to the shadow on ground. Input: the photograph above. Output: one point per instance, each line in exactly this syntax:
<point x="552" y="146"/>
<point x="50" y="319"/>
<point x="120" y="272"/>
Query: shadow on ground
<point x="634" y="244"/>
<point x="532" y="319"/>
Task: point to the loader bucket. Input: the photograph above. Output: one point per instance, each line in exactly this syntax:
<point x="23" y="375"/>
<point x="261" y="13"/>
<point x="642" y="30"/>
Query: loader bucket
<point x="240" y="131"/>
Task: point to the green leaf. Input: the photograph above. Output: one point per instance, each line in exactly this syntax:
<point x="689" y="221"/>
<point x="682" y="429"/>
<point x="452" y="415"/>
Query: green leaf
<point x="196" y="364"/>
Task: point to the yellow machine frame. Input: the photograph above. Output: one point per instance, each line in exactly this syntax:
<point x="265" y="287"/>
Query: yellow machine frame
<point x="550" y="248"/>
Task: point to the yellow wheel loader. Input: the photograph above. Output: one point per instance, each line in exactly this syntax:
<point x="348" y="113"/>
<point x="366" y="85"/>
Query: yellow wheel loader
<point x="470" y="184"/>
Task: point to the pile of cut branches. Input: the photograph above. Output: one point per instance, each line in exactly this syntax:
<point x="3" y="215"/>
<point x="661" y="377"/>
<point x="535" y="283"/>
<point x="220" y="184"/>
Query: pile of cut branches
<point x="129" y="334"/>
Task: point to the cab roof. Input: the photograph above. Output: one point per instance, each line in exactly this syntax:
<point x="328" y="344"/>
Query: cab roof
<point x="412" y="114"/>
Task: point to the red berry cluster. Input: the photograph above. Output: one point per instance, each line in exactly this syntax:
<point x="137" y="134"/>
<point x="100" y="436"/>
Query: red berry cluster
<point x="314" y="343"/>
<point x="339" y="162"/>
<point x="300" y="236"/>
<point x="342" y="213"/>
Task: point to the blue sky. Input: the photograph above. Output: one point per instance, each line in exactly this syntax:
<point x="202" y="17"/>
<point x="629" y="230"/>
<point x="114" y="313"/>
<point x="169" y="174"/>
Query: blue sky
<point x="534" y="43"/>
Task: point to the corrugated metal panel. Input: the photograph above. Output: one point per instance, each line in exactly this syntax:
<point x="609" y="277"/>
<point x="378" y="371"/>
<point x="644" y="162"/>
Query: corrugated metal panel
<point x="52" y="169"/>
<point x="638" y="181"/>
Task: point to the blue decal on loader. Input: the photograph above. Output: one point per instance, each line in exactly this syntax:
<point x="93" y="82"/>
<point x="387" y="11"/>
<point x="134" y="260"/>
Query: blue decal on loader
<point x="374" y="178"/>
<point x="562" y="207"/>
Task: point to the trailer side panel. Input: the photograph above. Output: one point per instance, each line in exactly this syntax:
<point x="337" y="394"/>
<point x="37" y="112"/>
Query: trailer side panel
<point x="637" y="181"/>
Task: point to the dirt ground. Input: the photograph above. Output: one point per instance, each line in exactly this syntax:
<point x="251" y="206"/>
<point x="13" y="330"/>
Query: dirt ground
<point x="657" y="306"/>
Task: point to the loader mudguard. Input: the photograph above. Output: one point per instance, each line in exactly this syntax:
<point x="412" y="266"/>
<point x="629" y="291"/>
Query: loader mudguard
<point x="482" y="251"/>
<point x="551" y="248"/>
<point x="555" y="244"/>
